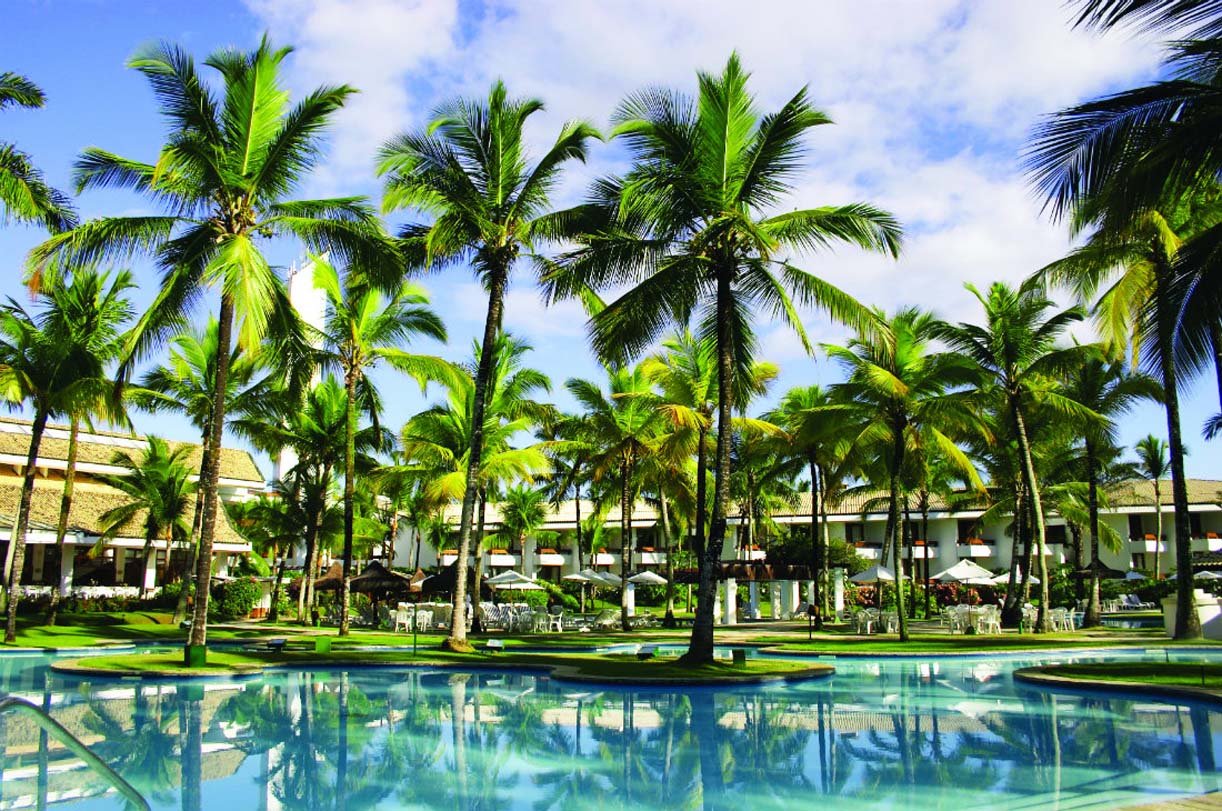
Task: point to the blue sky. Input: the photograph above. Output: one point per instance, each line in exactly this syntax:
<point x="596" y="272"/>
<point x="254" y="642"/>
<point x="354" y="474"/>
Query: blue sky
<point x="932" y="102"/>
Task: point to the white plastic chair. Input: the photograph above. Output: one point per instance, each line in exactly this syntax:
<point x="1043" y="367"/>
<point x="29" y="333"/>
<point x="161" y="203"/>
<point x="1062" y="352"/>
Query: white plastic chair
<point x="989" y="621"/>
<point x="403" y="619"/>
<point x="555" y="622"/>
<point x="863" y="621"/>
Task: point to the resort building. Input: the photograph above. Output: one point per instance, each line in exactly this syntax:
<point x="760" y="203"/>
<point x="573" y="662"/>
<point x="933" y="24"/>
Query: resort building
<point x="90" y="559"/>
<point x="950" y="534"/>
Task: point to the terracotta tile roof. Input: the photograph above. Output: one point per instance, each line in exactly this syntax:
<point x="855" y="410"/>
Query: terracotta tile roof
<point x="99" y="448"/>
<point x="89" y="501"/>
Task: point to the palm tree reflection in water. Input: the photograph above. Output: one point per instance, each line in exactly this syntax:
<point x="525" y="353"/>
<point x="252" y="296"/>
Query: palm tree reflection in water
<point x="887" y="735"/>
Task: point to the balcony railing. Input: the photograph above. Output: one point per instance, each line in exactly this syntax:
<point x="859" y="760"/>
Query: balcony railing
<point x="976" y="548"/>
<point x="604" y="559"/>
<point x="651" y="557"/>
<point x="550" y="557"/>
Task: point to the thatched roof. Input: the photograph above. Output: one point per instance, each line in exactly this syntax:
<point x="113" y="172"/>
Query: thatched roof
<point x="99" y="448"/>
<point x="89" y="501"/>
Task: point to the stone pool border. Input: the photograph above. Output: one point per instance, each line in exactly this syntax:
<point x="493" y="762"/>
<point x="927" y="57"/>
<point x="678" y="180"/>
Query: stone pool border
<point x="1046" y="676"/>
<point x="558" y="671"/>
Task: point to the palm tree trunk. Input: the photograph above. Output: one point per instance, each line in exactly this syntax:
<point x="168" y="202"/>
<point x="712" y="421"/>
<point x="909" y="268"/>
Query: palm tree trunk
<point x="61" y="528"/>
<point x="577" y="530"/>
<point x="625" y="545"/>
<point x="273" y="613"/>
<point x="925" y="538"/>
<point x="664" y="514"/>
<point x="816" y="554"/>
<point x="906" y="537"/>
<point x="188" y="580"/>
<point x="349" y="495"/>
<point x="479" y="558"/>
<point x="457" y="640"/>
<point x="702" y="494"/>
<point x="16" y="556"/>
<point x="1187" y="622"/>
<point x="1158" y="527"/>
<point x="893" y="525"/>
<point x="825" y="533"/>
<point x="305" y="595"/>
<point x="700" y="649"/>
<point x="1042" y="624"/>
<point x="203" y="564"/>
<point x="1093" y="609"/>
<point x="1011" y="610"/>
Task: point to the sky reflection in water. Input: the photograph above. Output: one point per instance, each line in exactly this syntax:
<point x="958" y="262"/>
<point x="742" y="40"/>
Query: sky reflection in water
<point x="943" y="733"/>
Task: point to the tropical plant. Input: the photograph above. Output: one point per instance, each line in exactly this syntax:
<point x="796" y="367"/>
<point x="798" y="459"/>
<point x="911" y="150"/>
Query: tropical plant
<point x="25" y="195"/>
<point x="1017" y="358"/>
<point x="468" y="172"/>
<point x="905" y="399"/>
<point x="436" y="442"/>
<point x="622" y="425"/>
<point x="186" y="384"/>
<point x="1133" y="262"/>
<point x="523" y="514"/>
<point x="43" y="366"/>
<point x="688" y="228"/>
<point x="160" y="495"/>
<point x="1154" y="466"/>
<point x="1106" y="389"/>
<point x="223" y="178"/>
<point x="364" y="329"/>
<point x="87" y="319"/>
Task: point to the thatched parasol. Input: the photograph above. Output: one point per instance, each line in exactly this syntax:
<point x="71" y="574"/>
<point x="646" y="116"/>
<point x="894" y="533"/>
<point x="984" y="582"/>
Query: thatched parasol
<point x="332" y="579"/>
<point x="382" y="582"/>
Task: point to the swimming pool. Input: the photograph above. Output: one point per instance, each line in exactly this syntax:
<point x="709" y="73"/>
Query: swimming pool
<point x="951" y="732"/>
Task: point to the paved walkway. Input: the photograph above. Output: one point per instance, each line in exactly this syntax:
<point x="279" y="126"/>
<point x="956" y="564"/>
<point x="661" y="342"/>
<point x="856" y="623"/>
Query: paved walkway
<point x="1206" y="802"/>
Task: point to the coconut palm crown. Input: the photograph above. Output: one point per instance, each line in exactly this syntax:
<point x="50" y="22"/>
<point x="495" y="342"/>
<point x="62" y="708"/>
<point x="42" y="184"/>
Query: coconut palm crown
<point x="223" y="181"/>
<point x="691" y="230"/>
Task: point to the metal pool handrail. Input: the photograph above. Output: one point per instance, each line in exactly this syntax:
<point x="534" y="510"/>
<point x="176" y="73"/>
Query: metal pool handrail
<point x="57" y="730"/>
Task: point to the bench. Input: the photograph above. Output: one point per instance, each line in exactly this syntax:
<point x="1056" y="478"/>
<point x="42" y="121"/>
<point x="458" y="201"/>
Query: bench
<point x="276" y="645"/>
<point x="494" y="645"/>
<point x="646" y="652"/>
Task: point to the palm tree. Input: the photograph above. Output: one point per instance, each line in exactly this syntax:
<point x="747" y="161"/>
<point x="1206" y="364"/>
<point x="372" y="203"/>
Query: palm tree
<point x="186" y="385"/>
<point x="87" y="319"/>
<point x="160" y="495"/>
<point x="1016" y="353"/>
<point x="40" y="365"/>
<point x="1133" y="259"/>
<point x="24" y="193"/>
<point x="569" y="452"/>
<point x="1103" y="387"/>
<point x="523" y="514"/>
<point x="223" y="178"/>
<point x="689" y="228"/>
<point x="436" y="442"/>
<point x="363" y="329"/>
<point x="273" y="525"/>
<point x="904" y="395"/>
<point x="1152" y="462"/>
<point x="468" y="173"/>
<point x="315" y="429"/>
<point x="622" y="430"/>
<point x="813" y="429"/>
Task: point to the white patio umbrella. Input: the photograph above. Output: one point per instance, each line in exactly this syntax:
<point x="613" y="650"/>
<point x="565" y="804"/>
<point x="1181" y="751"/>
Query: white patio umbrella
<point x="875" y="574"/>
<point x="966" y="571"/>
<point x="648" y="579"/>
<point x="608" y="579"/>
<point x="509" y="579"/>
<point x="576" y="577"/>
<point x="1203" y="576"/>
<point x="1132" y="575"/>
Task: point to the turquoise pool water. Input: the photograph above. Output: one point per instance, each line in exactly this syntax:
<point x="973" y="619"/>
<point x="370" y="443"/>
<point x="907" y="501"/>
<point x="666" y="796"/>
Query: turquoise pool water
<point x="949" y="733"/>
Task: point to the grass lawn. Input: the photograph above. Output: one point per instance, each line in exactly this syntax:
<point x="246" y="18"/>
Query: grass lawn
<point x="946" y="643"/>
<point x="1180" y="674"/>
<point x="98" y="627"/>
<point x="585" y="665"/>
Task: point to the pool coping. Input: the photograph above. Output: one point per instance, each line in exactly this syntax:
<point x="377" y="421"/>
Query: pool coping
<point x="1046" y="676"/>
<point x="559" y="671"/>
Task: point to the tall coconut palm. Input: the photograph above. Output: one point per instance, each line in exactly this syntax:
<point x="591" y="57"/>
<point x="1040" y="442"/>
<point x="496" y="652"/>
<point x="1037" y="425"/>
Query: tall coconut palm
<point x="623" y="425"/>
<point x="814" y="426"/>
<point x="223" y="179"/>
<point x="436" y="442"/>
<point x="1017" y="355"/>
<point x="1129" y="263"/>
<point x="691" y="227"/>
<point x="87" y="320"/>
<point x="469" y="173"/>
<point x="905" y="396"/>
<point x="25" y="195"/>
<point x="1153" y="463"/>
<point x="316" y="430"/>
<point x="1105" y="388"/>
<point x="363" y="330"/>
<point x="159" y="494"/>
<point x="42" y="368"/>
<point x="570" y="451"/>
<point x="523" y="514"/>
<point x="186" y="384"/>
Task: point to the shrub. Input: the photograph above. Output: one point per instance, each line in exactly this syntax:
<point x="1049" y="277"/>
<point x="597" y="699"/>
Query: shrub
<point x="234" y="598"/>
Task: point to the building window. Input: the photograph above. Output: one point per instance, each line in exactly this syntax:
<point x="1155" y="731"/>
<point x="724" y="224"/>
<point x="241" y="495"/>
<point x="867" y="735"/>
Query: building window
<point x="1054" y="533"/>
<point x="1194" y="523"/>
<point x="854" y="531"/>
<point x="1136" y="531"/>
<point x="966" y="528"/>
